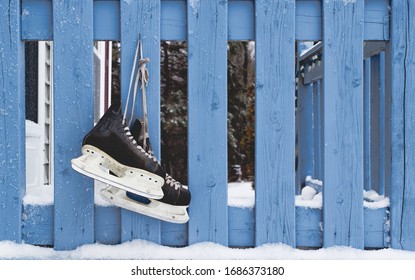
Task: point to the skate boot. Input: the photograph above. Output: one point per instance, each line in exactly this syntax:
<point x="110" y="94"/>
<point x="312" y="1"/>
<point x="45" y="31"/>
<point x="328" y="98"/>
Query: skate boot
<point x="171" y="208"/>
<point x="111" y="155"/>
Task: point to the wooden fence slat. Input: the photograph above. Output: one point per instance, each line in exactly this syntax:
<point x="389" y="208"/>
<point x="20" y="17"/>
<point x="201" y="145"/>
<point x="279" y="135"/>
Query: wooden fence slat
<point x="382" y="125"/>
<point x="389" y="120"/>
<point x="318" y="134"/>
<point x="402" y="126"/>
<point x="143" y="17"/>
<point x="343" y="123"/>
<point x="12" y="122"/>
<point x="73" y="111"/>
<point x="375" y="148"/>
<point x="207" y="99"/>
<point x="275" y="122"/>
<point x="367" y="133"/>
<point x="305" y="133"/>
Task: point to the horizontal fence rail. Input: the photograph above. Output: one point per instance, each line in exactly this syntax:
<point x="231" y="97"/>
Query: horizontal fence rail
<point x="37" y="19"/>
<point x="332" y="108"/>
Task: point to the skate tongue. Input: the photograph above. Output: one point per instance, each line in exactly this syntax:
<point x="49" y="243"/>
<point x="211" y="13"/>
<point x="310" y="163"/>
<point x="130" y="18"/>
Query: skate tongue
<point x="136" y="130"/>
<point x="138" y="135"/>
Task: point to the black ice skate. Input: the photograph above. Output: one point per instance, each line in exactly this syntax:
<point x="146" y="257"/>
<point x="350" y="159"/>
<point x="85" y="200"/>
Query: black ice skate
<point x="111" y="155"/>
<point x="171" y="208"/>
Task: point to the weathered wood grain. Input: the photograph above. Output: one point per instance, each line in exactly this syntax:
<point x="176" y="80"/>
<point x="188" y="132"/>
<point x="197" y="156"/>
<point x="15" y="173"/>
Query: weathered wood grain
<point x="12" y="122"/>
<point x="403" y="126"/>
<point x="207" y="99"/>
<point x="141" y="17"/>
<point x="73" y="118"/>
<point x="275" y="122"/>
<point x="343" y="123"/>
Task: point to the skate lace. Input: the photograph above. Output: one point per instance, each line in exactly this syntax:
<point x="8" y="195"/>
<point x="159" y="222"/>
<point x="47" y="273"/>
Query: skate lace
<point x="172" y="183"/>
<point x="131" y="138"/>
<point x="169" y="179"/>
<point x="140" y="75"/>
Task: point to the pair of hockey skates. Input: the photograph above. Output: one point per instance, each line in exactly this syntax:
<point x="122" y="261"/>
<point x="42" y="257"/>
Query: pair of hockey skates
<point x="123" y="159"/>
<point x="114" y="154"/>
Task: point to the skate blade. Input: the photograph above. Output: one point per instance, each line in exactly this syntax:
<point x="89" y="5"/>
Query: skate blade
<point x="96" y="164"/>
<point x="154" y="209"/>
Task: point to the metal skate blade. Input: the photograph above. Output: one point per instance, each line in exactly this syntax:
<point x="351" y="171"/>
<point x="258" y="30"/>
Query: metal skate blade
<point x="152" y="208"/>
<point x="135" y="182"/>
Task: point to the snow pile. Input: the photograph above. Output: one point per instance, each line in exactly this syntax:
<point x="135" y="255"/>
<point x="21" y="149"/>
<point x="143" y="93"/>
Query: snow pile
<point x="347" y="2"/>
<point x="309" y="198"/>
<point x="145" y="250"/>
<point x="241" y="194"/>
<point x="311" y="195"/>
<point x="39" y="196"/>
<point x="373" y="200"/>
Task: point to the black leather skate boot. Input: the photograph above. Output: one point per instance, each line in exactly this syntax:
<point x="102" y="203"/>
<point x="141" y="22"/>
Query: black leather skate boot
<point x="111" y="155"/>
<point x="171" y="208"/>
<point x="174" y="192"/>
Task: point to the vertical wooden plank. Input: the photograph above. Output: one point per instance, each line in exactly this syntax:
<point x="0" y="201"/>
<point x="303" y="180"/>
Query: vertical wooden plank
<point x="374" y="123"/>
<point x="318" y="135"/>
<point x="12" y="122"/>
<point x="382" y="124"/>
<point x="305" y="132"/>
<point x="73" y="112"/>
<point x="402" y="126"/>
<point x="367" y="116"/>
<point x="389" y="120"/>
<point x="343" y="123"/>
<point x="207" y="97"/>
<point x="143" y="17"/>
<point x="275" y="122"/>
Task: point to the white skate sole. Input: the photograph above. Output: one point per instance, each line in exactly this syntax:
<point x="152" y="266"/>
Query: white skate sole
<point x="155" y="209"/>
<point x="96" y="164"/>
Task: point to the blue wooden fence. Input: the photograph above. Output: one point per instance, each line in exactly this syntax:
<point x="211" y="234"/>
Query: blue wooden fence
<point x="349" y="115"/>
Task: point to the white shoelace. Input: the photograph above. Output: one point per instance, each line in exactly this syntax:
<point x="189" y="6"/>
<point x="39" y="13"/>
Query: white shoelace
<point x="172" y="183"/>
<point x="142" y="75"/>
<point x="131" y="138"/>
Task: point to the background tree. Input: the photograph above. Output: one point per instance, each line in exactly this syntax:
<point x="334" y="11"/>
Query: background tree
<point x="174" y="108"/>
<point x="241" y="108"/>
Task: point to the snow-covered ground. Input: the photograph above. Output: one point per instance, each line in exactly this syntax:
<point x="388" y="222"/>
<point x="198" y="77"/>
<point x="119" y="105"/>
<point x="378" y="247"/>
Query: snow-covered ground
<point x="240" y="195"/>
<point x="145" y="250"/>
